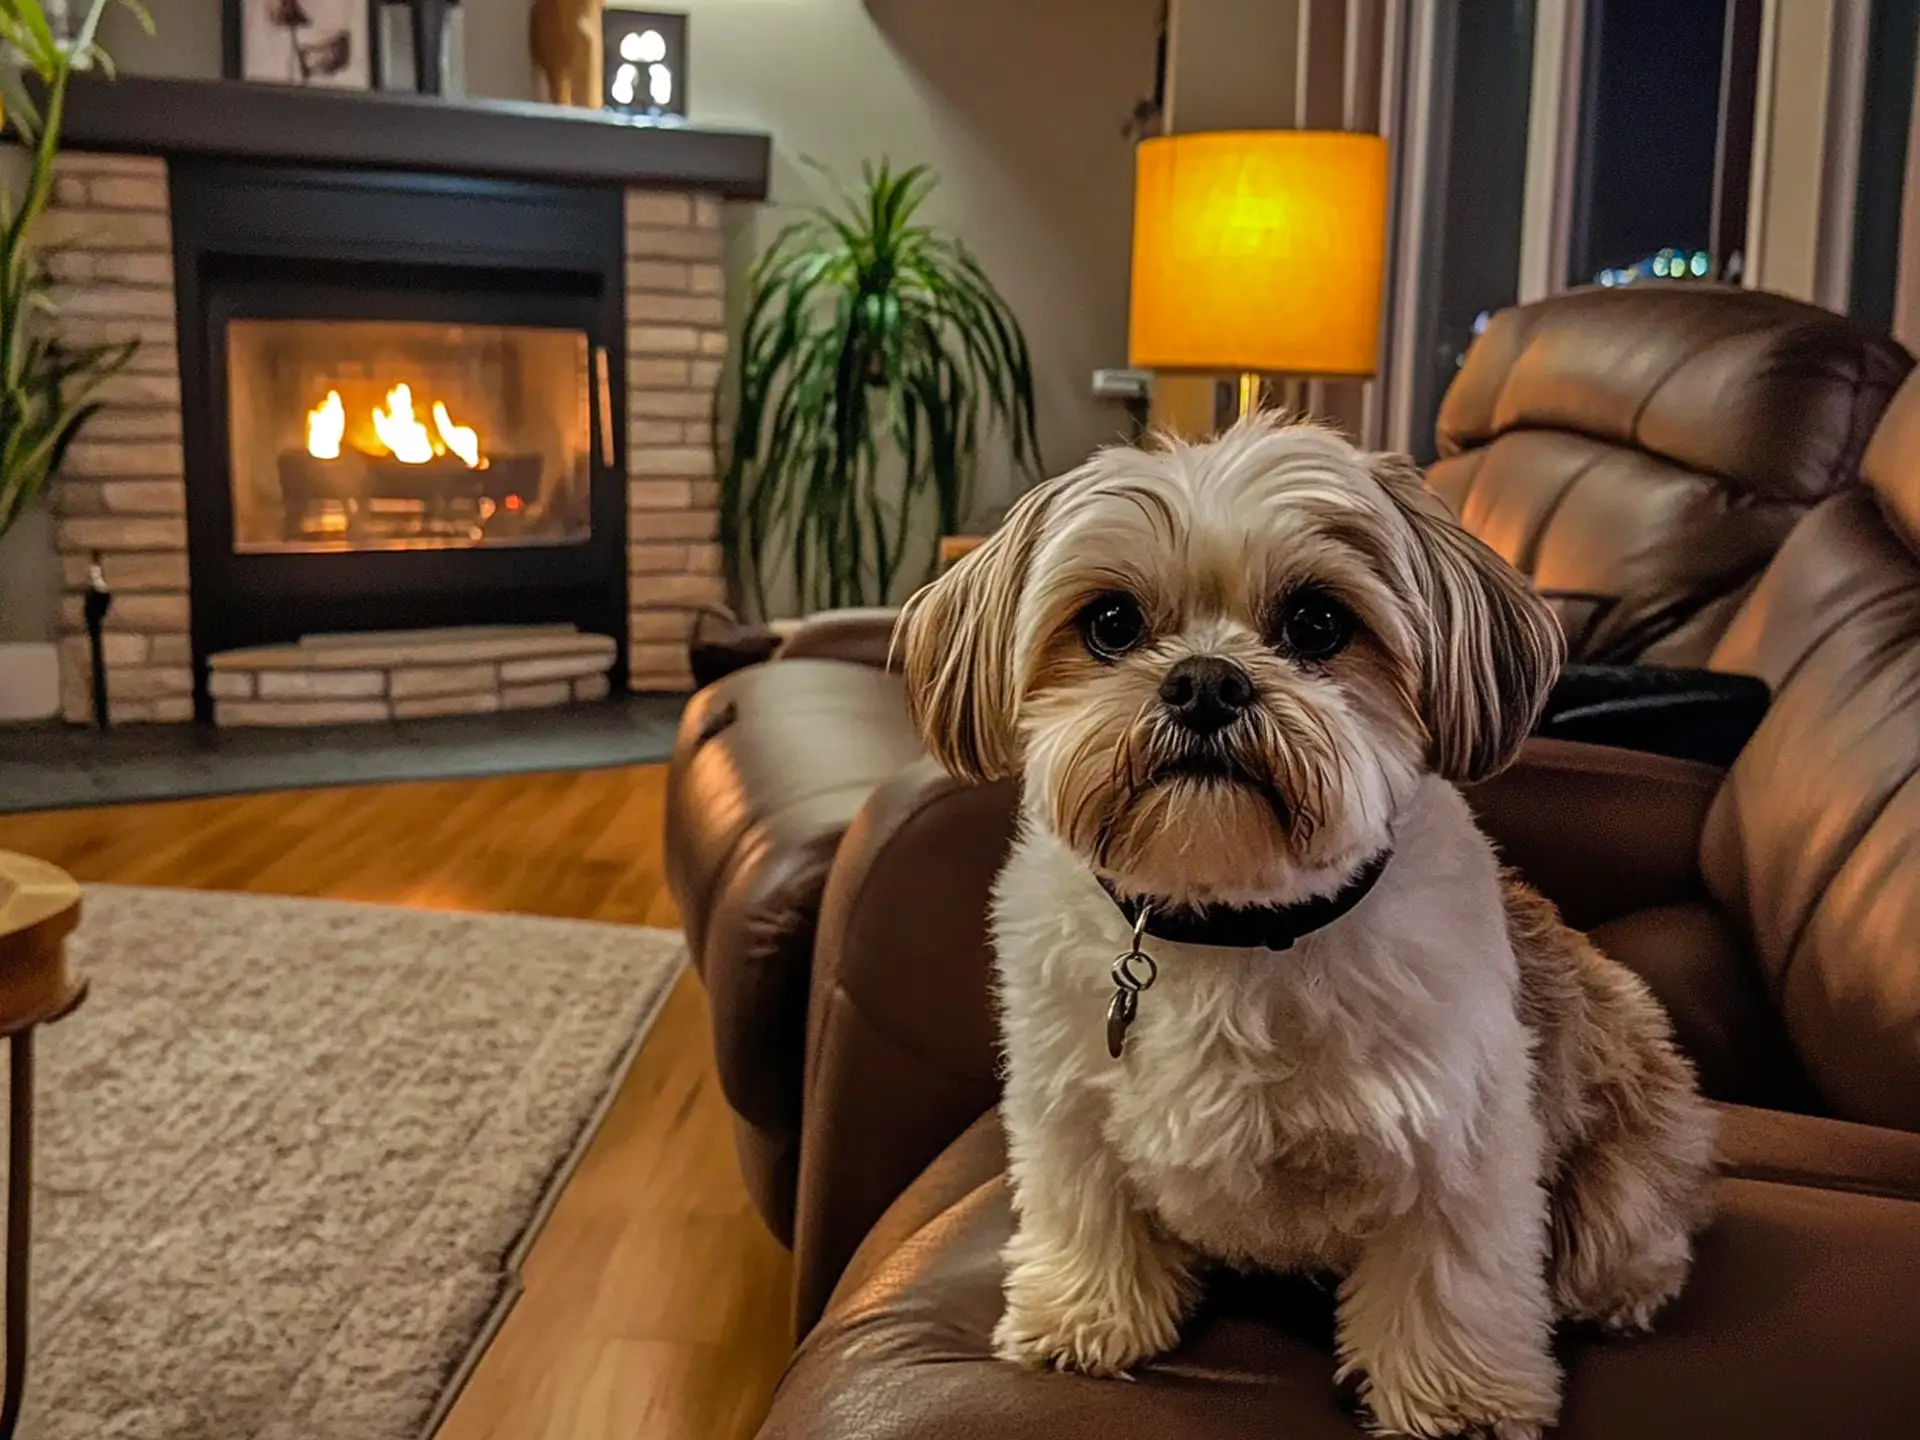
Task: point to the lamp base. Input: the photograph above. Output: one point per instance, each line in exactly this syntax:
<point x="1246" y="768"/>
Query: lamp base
<point x="1252" y="394"/>
<point x="1251" y="390"/>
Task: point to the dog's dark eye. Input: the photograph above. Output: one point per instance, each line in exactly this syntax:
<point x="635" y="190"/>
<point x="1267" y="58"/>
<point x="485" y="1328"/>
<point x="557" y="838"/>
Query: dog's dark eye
<point x="1112" y="625"/>
<point x="1314" y="625"/>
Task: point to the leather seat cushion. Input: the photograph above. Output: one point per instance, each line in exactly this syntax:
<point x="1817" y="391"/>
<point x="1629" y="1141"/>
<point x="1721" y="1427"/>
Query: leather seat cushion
<point x="1798" y="1321"/>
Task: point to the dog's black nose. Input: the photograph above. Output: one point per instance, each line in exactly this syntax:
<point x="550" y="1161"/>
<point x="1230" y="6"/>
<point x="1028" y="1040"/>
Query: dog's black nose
<point x="1206" y="693"/>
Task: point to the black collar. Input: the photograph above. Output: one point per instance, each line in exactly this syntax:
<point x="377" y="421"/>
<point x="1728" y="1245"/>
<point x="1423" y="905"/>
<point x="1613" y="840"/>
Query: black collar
<point x="1250" y="927"/>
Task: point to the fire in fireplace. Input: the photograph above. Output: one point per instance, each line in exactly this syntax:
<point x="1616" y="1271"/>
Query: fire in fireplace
<point x="394" y="435"/>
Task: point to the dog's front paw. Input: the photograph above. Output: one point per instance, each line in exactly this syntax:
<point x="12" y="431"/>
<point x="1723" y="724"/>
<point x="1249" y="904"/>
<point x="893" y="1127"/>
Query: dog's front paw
<point x="1398" y="1416"/>
<point x="1411" y="1402"/>
<point x="1096" y="1324"/>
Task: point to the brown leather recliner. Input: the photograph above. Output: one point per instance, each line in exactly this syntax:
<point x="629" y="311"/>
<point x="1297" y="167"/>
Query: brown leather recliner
<point x="772" y="763"/>
<point x="1774" y="907"/>
<point x="1640" y="453"/>
<point x="770" y="767"/>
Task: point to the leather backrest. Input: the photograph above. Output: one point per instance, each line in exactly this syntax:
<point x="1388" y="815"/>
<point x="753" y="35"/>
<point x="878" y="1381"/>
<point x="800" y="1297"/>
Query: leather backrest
<point x="1814" y="842"/>
<point x="1641" y="452"/>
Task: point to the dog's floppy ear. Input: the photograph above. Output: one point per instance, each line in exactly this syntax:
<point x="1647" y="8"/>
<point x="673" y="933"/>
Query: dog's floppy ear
<point x="1492" y="647"/>
<point x="957" y="640"/>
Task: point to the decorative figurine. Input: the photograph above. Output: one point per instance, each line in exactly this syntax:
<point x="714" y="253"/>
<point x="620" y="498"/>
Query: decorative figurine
<point x="568" y="49"/>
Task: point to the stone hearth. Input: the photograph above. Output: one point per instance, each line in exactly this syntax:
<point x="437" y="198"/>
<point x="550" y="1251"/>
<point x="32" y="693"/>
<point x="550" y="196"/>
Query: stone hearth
<point x="123" y="492"/>
<point x="405" y="675"/>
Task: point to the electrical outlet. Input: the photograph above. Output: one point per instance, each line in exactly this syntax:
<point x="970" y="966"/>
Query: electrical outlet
<point x="1122" y="384"/>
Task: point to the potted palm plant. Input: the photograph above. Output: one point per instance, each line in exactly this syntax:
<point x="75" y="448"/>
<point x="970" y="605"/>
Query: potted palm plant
<point x="48" y="389"/>
<point x="875" y="359"/>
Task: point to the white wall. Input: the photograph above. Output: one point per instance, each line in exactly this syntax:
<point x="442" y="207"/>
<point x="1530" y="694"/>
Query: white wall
<point x="1017" y="105"/>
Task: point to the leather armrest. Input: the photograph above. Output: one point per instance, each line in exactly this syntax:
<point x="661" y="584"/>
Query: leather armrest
<point x="1663" y="710"/>
<point x="863" y="636"/>
<point x="1599" y="831"/>
<point x="901" y="1042"/>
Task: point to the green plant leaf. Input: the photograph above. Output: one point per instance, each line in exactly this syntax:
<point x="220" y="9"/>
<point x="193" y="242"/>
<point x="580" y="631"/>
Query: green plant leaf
<point x="873" y="350"/>
<point x="48" y="391"/>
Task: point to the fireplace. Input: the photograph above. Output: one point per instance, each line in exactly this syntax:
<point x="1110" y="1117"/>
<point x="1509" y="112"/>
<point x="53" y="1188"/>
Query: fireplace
<point x="347" y="435"/>
<point x="426" y="439"/>
<point x="520" y="310"/>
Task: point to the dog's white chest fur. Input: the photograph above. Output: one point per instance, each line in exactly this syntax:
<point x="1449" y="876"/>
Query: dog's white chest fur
<point x="1273" y="1110"/>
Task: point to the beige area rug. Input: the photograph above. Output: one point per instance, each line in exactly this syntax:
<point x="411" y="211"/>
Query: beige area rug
<point x="289" y="1150"/>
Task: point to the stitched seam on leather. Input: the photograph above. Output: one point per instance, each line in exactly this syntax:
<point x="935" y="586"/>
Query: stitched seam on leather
<point x="1854" y="448"/>
<point x="1791" y="956"/>
<point x="914" y="816"/>
<point x="1553" y="509"/>
<point x="1809" y="1180"/>
<point x="1646" y="403"/>
<point x="1859" y="430"/>
<point x="1814" y="646"/>
<point x="912" y="1052"/>
<point x="1665" y="624"/>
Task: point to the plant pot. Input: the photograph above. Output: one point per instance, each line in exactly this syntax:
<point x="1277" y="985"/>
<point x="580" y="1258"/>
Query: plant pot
<point x="29" y="680"/>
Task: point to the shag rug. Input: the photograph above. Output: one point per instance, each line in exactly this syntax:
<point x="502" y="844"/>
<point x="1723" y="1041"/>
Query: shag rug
<point x="289" y="1153"/>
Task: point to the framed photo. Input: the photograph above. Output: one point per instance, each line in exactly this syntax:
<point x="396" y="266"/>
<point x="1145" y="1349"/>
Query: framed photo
<point x="645" y="62"/>
<point x="301" y="42"/>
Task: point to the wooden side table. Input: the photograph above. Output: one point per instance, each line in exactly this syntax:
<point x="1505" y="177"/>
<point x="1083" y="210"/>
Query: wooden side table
<point x="39" y="906"/>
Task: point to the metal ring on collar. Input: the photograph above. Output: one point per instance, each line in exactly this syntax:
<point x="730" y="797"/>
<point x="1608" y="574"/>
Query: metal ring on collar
<point x="1123" y="974"/>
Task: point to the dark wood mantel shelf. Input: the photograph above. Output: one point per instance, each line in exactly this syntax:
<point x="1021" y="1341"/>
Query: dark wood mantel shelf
<point x="406" y="132"/>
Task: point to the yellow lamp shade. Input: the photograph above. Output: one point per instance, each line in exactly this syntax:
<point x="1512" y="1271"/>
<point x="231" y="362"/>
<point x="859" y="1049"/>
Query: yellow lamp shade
<point x="1258" y="250"/>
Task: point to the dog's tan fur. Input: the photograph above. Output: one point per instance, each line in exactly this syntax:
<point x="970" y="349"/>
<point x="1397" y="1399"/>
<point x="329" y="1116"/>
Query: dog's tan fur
<point x="1446" y="1098"/>
<point x="1623" y="1124"/>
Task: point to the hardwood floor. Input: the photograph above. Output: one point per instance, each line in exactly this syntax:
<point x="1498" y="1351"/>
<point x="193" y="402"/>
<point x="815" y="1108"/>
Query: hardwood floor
<point x="655" y="1303"/>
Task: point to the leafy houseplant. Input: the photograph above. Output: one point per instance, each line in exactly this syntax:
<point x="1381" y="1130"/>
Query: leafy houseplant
<point x="47" y="389"/>
<point x="873" y="353"/>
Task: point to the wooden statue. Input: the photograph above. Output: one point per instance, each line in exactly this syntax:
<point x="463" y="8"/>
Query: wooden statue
<point x="567" y="45"/>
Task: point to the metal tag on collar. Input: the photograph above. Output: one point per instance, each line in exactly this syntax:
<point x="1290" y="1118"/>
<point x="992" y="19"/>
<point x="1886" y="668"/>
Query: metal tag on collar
<point x="1133" y="971"/>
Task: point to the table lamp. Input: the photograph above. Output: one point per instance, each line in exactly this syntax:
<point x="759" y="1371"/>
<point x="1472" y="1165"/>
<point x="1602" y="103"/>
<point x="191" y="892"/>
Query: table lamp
<point x="1258" y="252"/>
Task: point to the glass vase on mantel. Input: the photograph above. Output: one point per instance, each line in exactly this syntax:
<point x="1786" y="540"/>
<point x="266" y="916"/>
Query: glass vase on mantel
<point x="422" y="47"/>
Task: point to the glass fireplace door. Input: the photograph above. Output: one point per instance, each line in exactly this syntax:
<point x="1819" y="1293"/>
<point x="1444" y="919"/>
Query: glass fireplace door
<point x="349" y="435"/>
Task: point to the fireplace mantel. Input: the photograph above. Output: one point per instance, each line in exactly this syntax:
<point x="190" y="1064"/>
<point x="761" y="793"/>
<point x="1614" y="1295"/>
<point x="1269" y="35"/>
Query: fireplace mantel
<point x="144" y="116"/>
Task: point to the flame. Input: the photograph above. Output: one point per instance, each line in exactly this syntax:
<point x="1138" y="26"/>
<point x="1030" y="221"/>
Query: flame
<point x="463" y="440"/>
<point x="399" y="431"/>
<point x="326" y="423"/>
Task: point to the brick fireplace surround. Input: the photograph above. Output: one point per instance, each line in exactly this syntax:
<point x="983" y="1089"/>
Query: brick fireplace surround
<point x="123" y="489"/>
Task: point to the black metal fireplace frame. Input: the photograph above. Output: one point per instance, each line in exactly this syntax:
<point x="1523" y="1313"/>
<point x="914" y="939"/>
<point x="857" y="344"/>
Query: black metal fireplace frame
<point x="285" y="242"/>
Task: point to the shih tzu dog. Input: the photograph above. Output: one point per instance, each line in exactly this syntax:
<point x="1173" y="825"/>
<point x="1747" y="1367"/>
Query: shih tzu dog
<point x="1239" y="681"/>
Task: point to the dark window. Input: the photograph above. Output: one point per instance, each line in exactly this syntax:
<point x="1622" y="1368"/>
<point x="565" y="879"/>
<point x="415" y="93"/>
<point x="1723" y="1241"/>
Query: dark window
<point x="1650" y="119"/>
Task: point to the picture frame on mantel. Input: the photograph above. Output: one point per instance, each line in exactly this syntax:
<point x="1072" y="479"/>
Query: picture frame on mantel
<point x="315" y="44"/>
